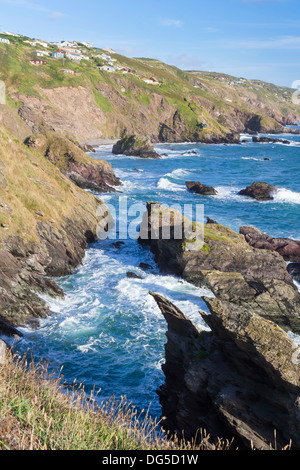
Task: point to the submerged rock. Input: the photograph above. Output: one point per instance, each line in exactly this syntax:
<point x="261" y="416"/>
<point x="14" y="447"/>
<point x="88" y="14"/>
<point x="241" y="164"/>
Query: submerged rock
<point x="259" y="191"/>
<point x="240" y="380"/>
<point x="200" y="188"/>
<point x="136" y="146"/>
<point x="267" y="140"/>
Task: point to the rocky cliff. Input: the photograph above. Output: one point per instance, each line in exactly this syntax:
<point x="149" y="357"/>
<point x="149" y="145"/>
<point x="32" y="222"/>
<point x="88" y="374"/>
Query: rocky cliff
<point x="242" y="378"/>
<point x="46" y="222"/>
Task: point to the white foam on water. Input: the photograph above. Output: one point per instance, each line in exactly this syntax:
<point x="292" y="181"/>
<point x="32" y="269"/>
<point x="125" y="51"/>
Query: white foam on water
<point x="286" y="196"/>
<point x="166" y="184"/>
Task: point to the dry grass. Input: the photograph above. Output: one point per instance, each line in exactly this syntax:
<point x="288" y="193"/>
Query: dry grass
<point x="38" y="413"/>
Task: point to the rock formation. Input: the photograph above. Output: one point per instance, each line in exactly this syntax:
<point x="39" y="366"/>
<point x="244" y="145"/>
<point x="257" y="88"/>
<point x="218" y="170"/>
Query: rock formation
<point x="259" y="191"/>
<point x="289" y="249"/>
<point x="135" y="146"/>
<point x="86" y="172"/>
<point x="200" y="188"/>
<point x="240" y="380"/>
<point x="223" y="262"/>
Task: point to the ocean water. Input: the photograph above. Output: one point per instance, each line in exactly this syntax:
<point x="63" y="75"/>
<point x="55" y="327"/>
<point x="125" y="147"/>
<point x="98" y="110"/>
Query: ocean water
<point x="108" y="333"/>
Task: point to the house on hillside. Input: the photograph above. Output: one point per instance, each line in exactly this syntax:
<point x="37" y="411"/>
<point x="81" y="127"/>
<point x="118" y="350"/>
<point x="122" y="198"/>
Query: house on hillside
<point x="39" y="53"/>
<point x="68" y="72"/>
<point x="5" y="41"/>
<point x="58" y="55"/>
<point x="151" y="81"/>
<point x="38" y="62"/>
<point x="107" y="68"/>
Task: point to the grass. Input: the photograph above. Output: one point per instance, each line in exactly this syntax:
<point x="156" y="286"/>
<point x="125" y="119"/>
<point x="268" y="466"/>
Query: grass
<point x="38" y="412"/>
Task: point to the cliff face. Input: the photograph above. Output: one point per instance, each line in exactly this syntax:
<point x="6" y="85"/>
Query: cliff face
<point x="46" y="222"/>
<point x="242" y="379"/>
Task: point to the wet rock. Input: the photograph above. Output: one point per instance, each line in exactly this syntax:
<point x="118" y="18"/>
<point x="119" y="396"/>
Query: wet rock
<point x="267" y="140"/>
<point x="259" y="191"/>
<point x="200" y="188"/>
<point x="133" y="275"/>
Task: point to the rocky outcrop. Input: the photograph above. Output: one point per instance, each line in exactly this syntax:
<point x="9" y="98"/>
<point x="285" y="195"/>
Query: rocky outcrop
<point x="259" y="191"/>
<point x="289" y="249"/>
<point x="135" y="146"/>
<point x="48" y="223"/>
<point x="220" y="259"/>
<point x="239" y="380"/>
<point x="86" y="172"/>
<point x="269" y="140"/>
<point x="200" y="188"/>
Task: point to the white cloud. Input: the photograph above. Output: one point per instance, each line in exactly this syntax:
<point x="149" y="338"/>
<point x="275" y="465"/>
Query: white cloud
<point x="170" y="22"/>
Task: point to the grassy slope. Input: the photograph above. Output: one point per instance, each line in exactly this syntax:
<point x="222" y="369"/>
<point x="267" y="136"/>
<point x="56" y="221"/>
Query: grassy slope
<point x="212" y="102"/>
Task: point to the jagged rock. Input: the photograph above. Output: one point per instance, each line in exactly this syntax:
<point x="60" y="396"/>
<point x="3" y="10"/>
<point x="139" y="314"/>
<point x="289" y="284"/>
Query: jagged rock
<point x="86" y="172"/>
<point x="200" y="188"/>
<point x="136" y="146"/>
<point x="224" y="263"/>
<point x="259" y="191"/>
<point x="240" y="380"/>
<point x="289" y="249"/>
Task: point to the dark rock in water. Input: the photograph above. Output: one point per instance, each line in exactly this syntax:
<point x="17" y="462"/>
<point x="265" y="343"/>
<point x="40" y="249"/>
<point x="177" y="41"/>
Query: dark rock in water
<point x="259" y="191"/>
<point x="118" y="244"/>
<point x="200" y="188"/>
<point x="267" y="140"/>
<point x="145" y="266"/>
<point x="294" y="270"/>
<point x="289" y="249"/>
<point x="240" y="380"/>
<point x="267" y="159"/>
<point x="136" y="146"/>
<point x="133" y="275"/>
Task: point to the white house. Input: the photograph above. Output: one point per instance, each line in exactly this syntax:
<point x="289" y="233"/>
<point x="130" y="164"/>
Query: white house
<point x="40" y="53"/>
<point x="6" y="41"/>
<point x="107" y="68"/>
<point x="151" y="81"/>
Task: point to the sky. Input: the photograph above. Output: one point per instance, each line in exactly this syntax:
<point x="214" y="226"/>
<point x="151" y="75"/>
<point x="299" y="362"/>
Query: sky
<point x="255" y="39"/>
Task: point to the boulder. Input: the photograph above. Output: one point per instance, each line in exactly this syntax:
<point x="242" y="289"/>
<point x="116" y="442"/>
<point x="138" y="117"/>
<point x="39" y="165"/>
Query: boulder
<point x="259" y="191"/>
<point x="200" y="188"/>
<point x="135" y="146"/>
<point x="240" y="380"/>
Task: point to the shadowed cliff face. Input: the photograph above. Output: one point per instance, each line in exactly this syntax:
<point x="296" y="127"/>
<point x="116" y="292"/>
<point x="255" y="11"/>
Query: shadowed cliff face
<point x="241" y="380"/>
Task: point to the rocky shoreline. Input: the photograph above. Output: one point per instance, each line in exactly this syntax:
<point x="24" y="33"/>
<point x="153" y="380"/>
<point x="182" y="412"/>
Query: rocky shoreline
<point x="242" y="379"/>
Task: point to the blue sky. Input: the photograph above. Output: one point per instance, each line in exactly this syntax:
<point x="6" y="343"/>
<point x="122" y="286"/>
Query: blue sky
<point x="247" y="38"/>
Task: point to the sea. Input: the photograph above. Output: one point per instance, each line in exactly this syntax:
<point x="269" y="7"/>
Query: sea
<point x="107" y="333"/>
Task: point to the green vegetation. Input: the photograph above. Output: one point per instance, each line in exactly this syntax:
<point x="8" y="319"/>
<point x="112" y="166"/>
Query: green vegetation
<point x="38" y="412"/>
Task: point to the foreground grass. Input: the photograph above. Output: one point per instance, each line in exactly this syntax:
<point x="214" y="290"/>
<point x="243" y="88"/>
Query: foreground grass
<point x="38" y="413"/>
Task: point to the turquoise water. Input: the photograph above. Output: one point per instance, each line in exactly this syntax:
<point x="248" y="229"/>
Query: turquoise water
<point x="108" y="332"/>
